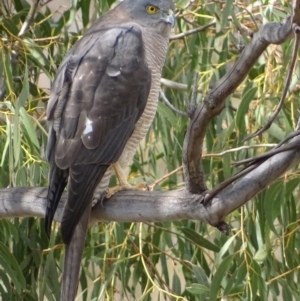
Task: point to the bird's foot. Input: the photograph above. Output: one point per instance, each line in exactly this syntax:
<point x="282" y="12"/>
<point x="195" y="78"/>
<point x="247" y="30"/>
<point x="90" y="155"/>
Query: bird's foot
<point x="113" y="190"/>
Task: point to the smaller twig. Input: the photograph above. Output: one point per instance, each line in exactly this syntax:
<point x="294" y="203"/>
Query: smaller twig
<point x="182" y="35"/>
<point x="289" y="137"/>
<point x="46" y="2"/>
<point x="19" y="78"/>
<point x="230" y="106"/>
<point x="29" y="18"/>
<point x="253" y="163"/>
<point x="249" y="32"/>
<point x="240" y="47"/>
<point x="188" y="4"/>
<point x="192" y="31"/>
<point x="192" y="103"/>
<point x="233" y="150"/>
<point x="251" y="17"/>
<point x="189" y="21"/>
<point x="173" y="85"/>
<point x="258" y="160"/>
<point x="151" y="187"/>
<point x="213" y="192"/>
<point x="195" y="89"/>
<point x="277" y="149"/>
<point x="242" y="28"/>
<point x="292" y="145"/>
<point x="167" y="102"/>
<point x="182" y="8"/>
<point x="286" y="88"/>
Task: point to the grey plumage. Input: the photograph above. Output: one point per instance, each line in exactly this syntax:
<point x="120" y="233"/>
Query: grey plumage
<point x="107" y="83"/>
<point x="102" y="102"/>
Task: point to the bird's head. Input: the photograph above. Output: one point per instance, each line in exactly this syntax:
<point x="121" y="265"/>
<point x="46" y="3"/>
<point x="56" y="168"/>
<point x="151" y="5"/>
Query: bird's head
<point x="154" y="14"/>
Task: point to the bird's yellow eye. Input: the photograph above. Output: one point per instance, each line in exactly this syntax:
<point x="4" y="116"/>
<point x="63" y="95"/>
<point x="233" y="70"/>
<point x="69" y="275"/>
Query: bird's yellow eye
<point x="152" y="9"/>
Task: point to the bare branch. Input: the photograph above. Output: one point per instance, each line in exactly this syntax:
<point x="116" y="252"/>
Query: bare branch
<point x="236" y="149"/>
<point x="192" y="31"/>
<point x="215" y="100"/>
<point x="173" y="85"/>
<point x="151" y="206"/>
<point x="268" y="154"/>
<point x="182" y="35"/>
<point x="30" y="17"/>
<point x="167" y="102"/>
<point x="156" y="182"/>
<point x="253" y="163"/>
<point x="192" y="104"/>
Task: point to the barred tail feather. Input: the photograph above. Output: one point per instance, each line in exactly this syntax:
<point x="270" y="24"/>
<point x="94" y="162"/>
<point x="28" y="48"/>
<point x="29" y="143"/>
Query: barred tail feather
<point x="58" y="179"/>
<point x="82" y="184"/>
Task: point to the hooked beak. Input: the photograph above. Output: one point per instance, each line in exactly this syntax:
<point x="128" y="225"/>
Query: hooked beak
<point x="169" y="18"/>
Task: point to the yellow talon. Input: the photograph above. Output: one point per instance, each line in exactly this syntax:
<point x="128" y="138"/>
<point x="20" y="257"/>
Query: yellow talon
<point x="123" y="183"/>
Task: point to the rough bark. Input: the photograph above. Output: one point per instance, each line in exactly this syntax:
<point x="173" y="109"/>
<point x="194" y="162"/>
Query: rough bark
<point x="270" y="33"/>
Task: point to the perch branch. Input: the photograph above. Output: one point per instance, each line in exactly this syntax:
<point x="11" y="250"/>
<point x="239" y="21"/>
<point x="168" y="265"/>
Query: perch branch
<point x="151" y="206"/>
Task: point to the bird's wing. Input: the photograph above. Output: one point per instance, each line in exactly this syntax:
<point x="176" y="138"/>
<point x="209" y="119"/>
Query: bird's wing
<point x="108" y="84"/>
<point x="99" y="93"/>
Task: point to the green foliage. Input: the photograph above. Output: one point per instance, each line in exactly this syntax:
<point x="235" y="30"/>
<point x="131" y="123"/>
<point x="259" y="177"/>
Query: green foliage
<point x="184" y="260"/>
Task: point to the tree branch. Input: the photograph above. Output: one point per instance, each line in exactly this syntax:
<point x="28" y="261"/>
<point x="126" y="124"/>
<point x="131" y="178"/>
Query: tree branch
<point x="167" y="102"/>
<point x="30" y="17"/>
<point x="151" y="206"/>
<point x="192" y="31"/>
<point x="270" y="33"/>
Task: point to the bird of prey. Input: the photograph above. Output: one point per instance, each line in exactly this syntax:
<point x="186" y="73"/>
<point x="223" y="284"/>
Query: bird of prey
<point x="102" y="102"/>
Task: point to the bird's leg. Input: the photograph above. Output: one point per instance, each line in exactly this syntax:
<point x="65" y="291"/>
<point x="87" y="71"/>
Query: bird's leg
<point x="121" y="177"/>
<point x="123" y="183"/>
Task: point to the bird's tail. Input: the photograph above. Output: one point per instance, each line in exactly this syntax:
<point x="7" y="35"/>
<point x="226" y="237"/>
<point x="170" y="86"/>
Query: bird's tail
<point x="73" y="255"/>
<point x="82" y="184"/>
<point x="58" y="179"/>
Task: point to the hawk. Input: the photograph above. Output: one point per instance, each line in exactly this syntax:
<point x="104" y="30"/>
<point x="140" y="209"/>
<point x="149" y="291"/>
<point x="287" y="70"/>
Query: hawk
<point x="102" y="102"/>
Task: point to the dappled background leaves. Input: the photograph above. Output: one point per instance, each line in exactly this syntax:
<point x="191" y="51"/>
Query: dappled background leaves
<point x="182" y="260"/>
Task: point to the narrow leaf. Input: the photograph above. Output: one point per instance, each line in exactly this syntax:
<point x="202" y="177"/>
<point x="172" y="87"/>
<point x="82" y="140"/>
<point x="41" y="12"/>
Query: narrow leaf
<point x="29" y="128"/>
<point x="11" y="267"/>
<point x="218" y="277"/>
<point x="25" y="90"/>
<point x="199" y="240"/>
<point x="198" y="289"/>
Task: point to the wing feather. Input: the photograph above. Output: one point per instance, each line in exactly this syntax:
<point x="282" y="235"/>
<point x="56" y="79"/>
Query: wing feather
<point x="98" y="95"/>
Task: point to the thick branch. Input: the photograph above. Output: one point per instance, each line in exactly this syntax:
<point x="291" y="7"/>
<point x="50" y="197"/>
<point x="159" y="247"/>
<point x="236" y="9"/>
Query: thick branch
<point x="270" y="33"/>
<point x="153" y="206"/>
